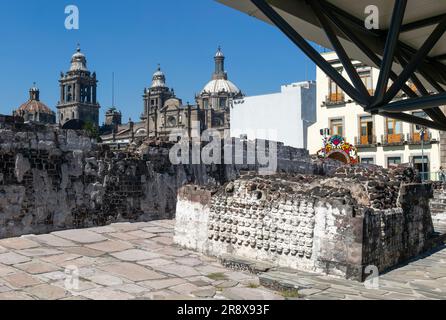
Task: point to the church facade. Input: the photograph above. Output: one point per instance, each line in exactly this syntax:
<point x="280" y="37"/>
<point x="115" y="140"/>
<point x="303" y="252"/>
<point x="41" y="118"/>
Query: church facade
<point x="164" y="113"/>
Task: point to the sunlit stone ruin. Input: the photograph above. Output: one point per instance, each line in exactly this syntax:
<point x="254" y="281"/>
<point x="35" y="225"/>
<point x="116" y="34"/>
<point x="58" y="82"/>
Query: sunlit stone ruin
<point x="312" y="215"/>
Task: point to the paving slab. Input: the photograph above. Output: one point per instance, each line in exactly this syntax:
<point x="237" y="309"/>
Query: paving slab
<point x="178" y="270"/>
<point x="139" y="261"/>
<point x="106" y="294"/>
<point x="250" y="294"/>
<point x="80" y="236"/>
<point x="37" y="267"/>
<point x="163" y="284"/>
<point x="53" y="241"/>
<point x="10" y="258"/>
<point x="47" y="292"/>
<point x="110" y="246"/>
<point x="39" y="252"/>
<point x="18" y="243"/>
<point x="21" y="280"/>
<point x="131" y="271"/>
<point x="135" y="255"/>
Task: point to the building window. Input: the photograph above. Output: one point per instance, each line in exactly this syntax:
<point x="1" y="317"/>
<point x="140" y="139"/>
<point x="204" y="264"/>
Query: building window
<point x="223" y="102"/>
<point x="368" y="160"/>
<point x="393" y="161"/>
<point x="337" y="127"/>
<point x="335" y="94"/>
<point x="366" y="130"/>
<point x="366" y="77"/>
<point x="394" y="131"/>
<point x="205" y="103"/>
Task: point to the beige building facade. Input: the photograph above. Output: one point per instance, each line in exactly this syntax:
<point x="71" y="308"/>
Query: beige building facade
<point x="379" y="140"/>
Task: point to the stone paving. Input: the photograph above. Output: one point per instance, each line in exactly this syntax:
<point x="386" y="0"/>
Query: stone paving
<point x="139" y="261"/>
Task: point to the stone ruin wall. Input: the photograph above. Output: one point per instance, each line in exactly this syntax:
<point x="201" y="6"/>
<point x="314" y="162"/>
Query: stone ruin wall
<point x="329" y="225"/>
<point x="53" y="179"/>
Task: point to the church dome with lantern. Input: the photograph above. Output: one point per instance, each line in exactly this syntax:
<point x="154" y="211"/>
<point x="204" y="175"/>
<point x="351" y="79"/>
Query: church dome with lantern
<point x="34" y="110"/>
<point x="220" y="83"/>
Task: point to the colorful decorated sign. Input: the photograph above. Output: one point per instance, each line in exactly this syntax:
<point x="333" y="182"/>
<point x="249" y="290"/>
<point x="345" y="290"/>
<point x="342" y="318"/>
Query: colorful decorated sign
<point x="337" y="148"/>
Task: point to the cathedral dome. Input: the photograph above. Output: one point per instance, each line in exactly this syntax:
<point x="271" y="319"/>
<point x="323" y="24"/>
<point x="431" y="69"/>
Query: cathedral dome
<point x="220" y="86"/>
<point x="33" y="105"/>
<point x="220" y="83"/>
<point x="159" y="79"/>
<point x="78" y="61"/>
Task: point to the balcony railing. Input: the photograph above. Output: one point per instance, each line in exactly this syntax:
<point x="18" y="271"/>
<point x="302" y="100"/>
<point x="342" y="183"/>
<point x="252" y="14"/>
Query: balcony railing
<point x="365" y="141"/>
<point x="335" y="98"/>
<point x="393" y="139"/>
<point x="415" y="138"/>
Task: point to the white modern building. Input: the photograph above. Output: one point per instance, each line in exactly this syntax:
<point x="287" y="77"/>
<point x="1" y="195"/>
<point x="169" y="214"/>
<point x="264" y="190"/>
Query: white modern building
<point x="379" y="140"/>
<point x="283" y="117"/>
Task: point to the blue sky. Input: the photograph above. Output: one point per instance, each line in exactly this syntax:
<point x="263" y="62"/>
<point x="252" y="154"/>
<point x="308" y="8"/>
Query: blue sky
<point x="130" y="38"/>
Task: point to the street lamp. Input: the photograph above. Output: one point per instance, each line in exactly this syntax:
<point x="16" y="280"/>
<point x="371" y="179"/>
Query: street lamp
<point x="422" y="131"/>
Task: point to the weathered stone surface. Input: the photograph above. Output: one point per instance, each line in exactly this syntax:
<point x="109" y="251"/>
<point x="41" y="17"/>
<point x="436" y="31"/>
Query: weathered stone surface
<point x="53" y="241"/>
<point x="135" y="255"/>
<point x="131" y="271"/>
<point x="37" y="267"/>
<point x="163" y="284"/>
<point x="205" y="293"/>
<point x="178" y="270"/>
<point x="110" y="246"/>
<point x="106" y="294"/>
<point x="80" y="236"/>
<point x="21" y="280"/>
<point x="18" y="243"/>
<point x="105" y="280"/>
<point x="39" y="252"/>
<point x="10" y="258"/>
<point x="47" y="292"/>
<point x="309" y="223"/>
<point x="250" y="294"/>
<point x="413" y="280"/>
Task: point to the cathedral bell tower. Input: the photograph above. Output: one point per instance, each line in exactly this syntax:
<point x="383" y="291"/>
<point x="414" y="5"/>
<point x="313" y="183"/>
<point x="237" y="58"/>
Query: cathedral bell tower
<point x="154" y="99"/>
<point x="78" y="93"/>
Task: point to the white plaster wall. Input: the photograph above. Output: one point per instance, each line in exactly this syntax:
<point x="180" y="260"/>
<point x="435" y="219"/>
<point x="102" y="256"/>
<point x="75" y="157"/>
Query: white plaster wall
<point x="351" y="113"/>
<point x="282" y="117"/>
<point x="191" y="228"/>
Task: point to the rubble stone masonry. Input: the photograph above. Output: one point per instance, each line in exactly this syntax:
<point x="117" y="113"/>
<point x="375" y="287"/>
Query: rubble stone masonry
<point x="52" y="179"/>
<point x="329" y="225"/>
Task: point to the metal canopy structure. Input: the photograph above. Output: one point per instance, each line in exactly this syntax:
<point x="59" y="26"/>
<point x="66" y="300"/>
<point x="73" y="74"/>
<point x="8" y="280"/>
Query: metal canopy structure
<point x="409" y="46"/>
